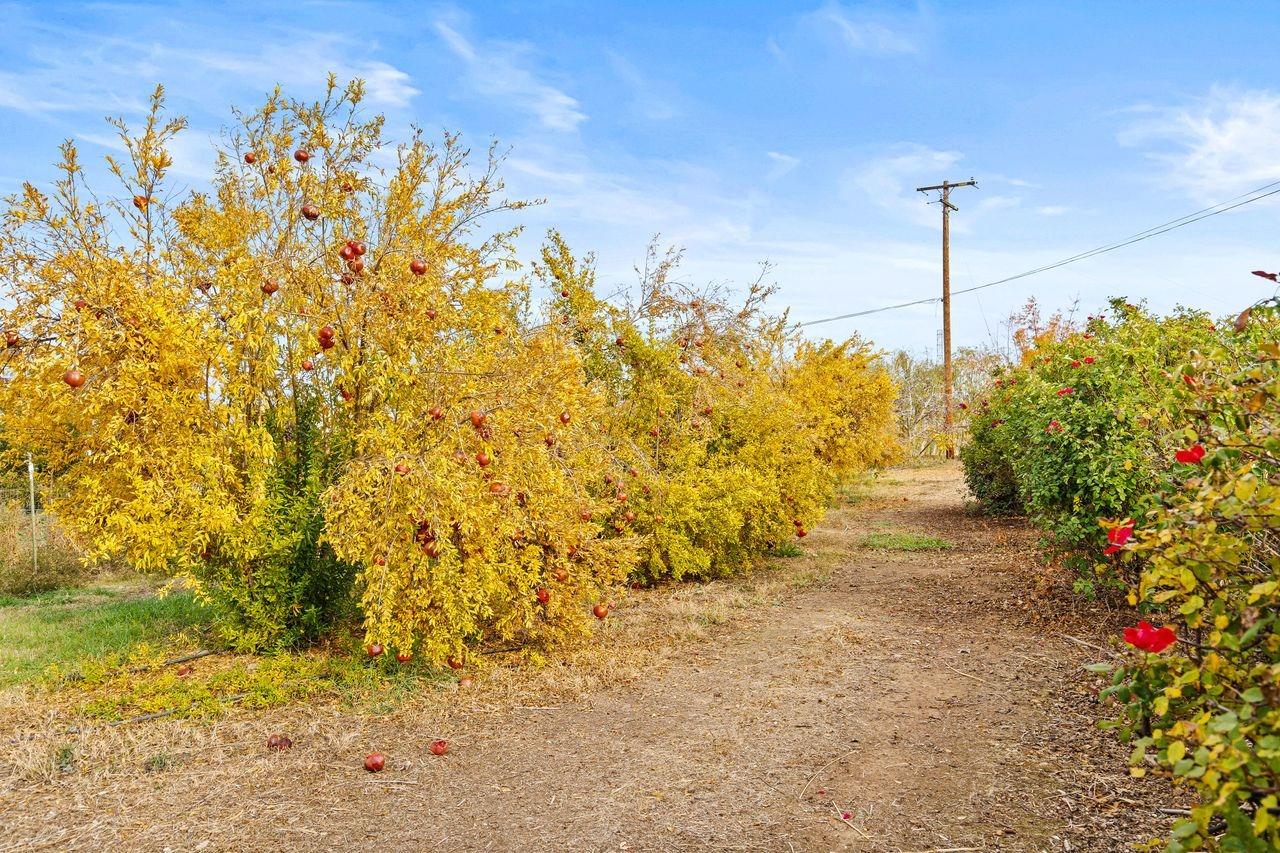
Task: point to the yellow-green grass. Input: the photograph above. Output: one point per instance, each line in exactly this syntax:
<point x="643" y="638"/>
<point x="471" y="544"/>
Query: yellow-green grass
<point x="63" y="626"/>
<point x="900" y="541"/>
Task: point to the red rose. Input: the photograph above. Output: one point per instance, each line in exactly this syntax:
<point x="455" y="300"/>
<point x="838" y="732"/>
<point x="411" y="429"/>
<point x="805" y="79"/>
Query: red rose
<point x="1149" y="639"/>
<point x="1117" y="537"/>
<point x="1190" y="456"/>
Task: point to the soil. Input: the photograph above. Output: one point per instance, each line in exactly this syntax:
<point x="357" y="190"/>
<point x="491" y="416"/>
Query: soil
<point x="905" y="701"/>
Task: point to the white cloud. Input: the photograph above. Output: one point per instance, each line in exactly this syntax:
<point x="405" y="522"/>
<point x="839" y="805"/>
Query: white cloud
<point x="860" y="32"/>
<point x="109" y="141"/>
<point x="686" y="203"/>
<point x="775" y="50"/>
<point x="782" y="164"/>
<point x="560" y="178"/>
<point x="304" y="61"/>
<point x="194" y="153"/>
<point x="500" y="70"/>
<point x="1216" y="147"/>
<point x="989" y="203"/>
<point x="12" y="97"/>
<point x="385" y="84"/>
<point x="108" y="74"/>
<point x="1005" y="179"/>
<point x="1052" y="209"/>
<point x="890" y="182"/>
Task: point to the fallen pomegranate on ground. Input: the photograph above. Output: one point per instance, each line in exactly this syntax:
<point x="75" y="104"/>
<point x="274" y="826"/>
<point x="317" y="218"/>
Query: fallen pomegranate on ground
<point x="279" y="742"/>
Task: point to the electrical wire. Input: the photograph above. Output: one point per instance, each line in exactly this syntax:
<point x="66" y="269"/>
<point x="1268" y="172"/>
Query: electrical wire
<point x="1154" y="231"/>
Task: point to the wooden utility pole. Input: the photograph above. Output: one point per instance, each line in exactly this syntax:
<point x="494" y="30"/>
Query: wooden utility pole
<point x="945" y="189"/>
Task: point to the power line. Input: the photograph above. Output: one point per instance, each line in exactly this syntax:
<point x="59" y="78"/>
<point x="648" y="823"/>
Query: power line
<point x="1154" y="231"/>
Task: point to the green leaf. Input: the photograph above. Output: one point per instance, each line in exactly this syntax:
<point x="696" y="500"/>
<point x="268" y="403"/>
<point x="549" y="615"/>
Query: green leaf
<point x="1224" y="722"/>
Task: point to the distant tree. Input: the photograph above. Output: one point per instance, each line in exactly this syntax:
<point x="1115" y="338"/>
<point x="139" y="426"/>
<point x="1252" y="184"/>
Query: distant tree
<point x="920" y="407"/>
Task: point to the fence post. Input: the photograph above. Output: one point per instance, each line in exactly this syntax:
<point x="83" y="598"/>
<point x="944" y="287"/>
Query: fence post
<point x="31" y="479"/>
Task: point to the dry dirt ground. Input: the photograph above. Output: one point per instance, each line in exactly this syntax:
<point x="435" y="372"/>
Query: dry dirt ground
<point x="901" y="701"/>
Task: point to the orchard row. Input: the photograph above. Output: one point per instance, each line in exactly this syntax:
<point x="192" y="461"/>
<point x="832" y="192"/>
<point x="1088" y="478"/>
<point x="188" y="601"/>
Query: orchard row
<point x="1148" y="448"/>
<point x="327" y="386"/>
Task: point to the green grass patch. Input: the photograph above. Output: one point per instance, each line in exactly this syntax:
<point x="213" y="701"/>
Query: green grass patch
<point x="61" y="627"/>
<point x="899" y="541"/>
<point x="103" y="651"/>
<point x="786" y="550"/>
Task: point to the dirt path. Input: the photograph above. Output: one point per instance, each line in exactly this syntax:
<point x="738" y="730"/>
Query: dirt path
<point x="909" y="701"/>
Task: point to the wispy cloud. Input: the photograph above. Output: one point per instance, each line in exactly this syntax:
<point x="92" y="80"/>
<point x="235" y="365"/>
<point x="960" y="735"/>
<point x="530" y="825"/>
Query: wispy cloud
<point x="688" y="204"/>
<point x="13" y="96"/>
<point x="651" y="99"/>
<point x="305" y="60"/>
<point x="991" y="203"/>
<point x="866" y="36"/>
<point x="1216" y="147"/>
<point x="889" y="182"/>
<point x="775" y="50"/>
<point x="782" y="164"/>
<point x="1052" y="209"/>
<point x="1005" y="179"/>
<point x="503" y="71"/>
<point x="105" y="73"/>
<point x="862" y="31"/>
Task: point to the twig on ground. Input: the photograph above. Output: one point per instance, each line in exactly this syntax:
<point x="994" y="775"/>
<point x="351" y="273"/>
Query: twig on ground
<point x="819" y="771"/>
<point x="156" y="715"/>
<point x="971" y="675"/>
<point x="1087" y="644"/>
<point x="74" y="677"/>
<point x="202" y="653"/>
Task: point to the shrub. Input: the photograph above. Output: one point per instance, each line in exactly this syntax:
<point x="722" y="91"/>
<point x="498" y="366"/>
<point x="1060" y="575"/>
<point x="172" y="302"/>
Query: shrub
<point x="1208" y="712"/>
<point x="1080" y="429"/>
<point x="727" y="435"/>
<point x="313" y="385"/>
<point x="59" y="563"/>
<point x="1168" y="445"/>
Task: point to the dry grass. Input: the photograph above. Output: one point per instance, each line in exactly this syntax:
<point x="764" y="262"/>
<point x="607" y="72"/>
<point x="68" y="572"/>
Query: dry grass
<point x="59" y="559"/>
<point x="753" y="715"/>
<point x="50" y="742"/>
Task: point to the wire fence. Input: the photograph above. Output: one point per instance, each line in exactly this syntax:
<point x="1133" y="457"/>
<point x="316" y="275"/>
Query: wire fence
<point x="36" y="553"/>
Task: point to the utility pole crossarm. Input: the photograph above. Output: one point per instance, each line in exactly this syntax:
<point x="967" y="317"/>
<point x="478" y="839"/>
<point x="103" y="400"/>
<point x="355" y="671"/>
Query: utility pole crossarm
<point x="948" y="185"/>
<point x="945" y="189"/>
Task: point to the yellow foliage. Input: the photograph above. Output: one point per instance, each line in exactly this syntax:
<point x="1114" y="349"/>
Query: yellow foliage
<point x="320" y="376"/>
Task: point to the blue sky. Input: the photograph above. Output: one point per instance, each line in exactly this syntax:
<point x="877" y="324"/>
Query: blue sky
<point x="752" y="131"/>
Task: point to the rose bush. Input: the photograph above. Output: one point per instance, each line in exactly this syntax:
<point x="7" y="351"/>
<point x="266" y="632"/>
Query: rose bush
<point x="1164" y="458"/>
<point x="1081" y="429"/>
<point x="1207" y="713"/>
